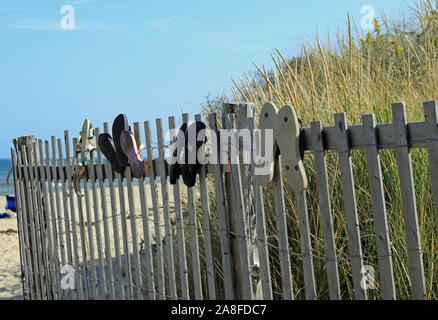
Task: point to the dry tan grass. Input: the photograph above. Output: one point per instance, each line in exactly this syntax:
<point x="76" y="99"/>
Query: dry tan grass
<point x="359" y="74"/>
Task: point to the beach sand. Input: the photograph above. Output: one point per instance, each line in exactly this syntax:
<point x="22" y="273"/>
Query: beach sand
<point x="10" y="284"/>
<point x="10" y="270"/>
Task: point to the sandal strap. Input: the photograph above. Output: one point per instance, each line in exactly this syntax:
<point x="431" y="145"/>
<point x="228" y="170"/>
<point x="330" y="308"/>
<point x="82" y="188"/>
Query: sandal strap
<point x="141" y="148"/>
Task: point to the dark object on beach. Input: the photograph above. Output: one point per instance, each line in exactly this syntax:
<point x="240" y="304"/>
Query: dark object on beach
<point x="11" y="204"/>
<point x="9" y="232"/>
<point x="106" y="146"/>
<point x="5" y="215"/>
<point x="120" y="124"/>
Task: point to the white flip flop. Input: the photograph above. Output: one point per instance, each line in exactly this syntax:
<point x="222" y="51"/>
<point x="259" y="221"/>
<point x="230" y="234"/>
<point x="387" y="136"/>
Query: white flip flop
<point x="85" y="134"/>
<point x="265" y="172"/>
<point x="287" y="135"/>
<point x="85" y="143"/>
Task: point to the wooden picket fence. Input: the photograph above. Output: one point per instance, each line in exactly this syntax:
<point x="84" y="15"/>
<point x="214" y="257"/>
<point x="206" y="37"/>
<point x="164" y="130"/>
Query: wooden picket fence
<point x="119" y="250"/>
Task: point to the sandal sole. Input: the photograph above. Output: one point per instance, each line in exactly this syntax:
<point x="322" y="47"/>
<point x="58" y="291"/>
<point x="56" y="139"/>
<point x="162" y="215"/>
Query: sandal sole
<point x="129" y="148"/>
<point x="266" y="122"/>
<point x="119" y="125"/>
<point x="287" y="134"/>
<point x="175" y="169"/>
<point x="106" y="146"/>
<point x="190" y="170"/>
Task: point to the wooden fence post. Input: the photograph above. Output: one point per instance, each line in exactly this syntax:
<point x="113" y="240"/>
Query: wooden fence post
<point x="21" y="144"/>
<point x="244" y="113"/>
<point x="409" y="204"/>
<point x="23" y="260"/>
<point x="350" y="205"/>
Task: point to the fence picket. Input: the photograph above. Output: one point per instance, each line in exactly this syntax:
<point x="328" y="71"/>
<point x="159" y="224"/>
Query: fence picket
<point x="282" y="233"/>
<point x="104" y="207"/>
<point x="409" y="203"/>
<point x="263" y="250"/>
<point x="135" y="247"/>
<point x="40" y="223"/>
<point x="348" y="191"/>
<point x="224" y="226"/>
<point x="431" y="117"/>
<point x="379" y="209"/>
<point x="52" y="220"/>
<point x="166" y="210"/>
<point x="206" y="227"/>
<point x="193" y="223"/>
<point x="150" y="274"/>
<point x="246" y="285"/>
<point x="306" y="246"/>
<point x="37" y="222"/>
<point x="127" y="266"/>
<point x="30" y="221"/>
<point x="29" y="277"/>
<point x="326" y="211"/>
<point x="90" y="242"/>
<point x="180" y="228"/>
<point x="46" y="211"/>
<point x="132" y="217"/>
<point x="66" y="213"/>
<point x="19" y="205"/>
<point x="156" y="208"/>
<point x="59" y="211"/>
<point x="97" y="222"/>
<point x="84" y="242"/>
<point x="114" y="218"/>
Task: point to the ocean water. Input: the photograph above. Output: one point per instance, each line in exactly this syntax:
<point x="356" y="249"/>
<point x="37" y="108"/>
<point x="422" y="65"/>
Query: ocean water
<point x="5" y="166"/>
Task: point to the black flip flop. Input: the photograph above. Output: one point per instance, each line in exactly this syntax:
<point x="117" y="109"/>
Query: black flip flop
<point x="189" y="170"/>
<point x="106" y="146"/>
<point x="175" y="169"/>
<point x="120" y="124"/>
<point x="130" y="149"/>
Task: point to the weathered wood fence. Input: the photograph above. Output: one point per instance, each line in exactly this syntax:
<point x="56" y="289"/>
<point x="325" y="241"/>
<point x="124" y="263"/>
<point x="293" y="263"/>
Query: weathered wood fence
<point x="126" y="239"/>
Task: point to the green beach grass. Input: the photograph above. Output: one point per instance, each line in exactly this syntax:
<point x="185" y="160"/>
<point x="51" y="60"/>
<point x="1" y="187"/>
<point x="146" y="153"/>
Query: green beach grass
<point x="356" y="73"/>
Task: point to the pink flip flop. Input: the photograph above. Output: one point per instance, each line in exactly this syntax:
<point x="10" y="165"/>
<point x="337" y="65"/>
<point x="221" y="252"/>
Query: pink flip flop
<point x="130" y="149"/>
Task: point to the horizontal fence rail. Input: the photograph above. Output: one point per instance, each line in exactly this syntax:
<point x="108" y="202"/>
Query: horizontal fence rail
<point x="119" y="237"/>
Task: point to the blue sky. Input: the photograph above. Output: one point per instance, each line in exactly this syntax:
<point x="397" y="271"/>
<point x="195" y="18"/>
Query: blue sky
<point x="145" y="58"/>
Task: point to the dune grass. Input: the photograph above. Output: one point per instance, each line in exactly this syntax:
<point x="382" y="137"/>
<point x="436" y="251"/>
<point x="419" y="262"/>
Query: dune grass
<point x="357" y="73"/>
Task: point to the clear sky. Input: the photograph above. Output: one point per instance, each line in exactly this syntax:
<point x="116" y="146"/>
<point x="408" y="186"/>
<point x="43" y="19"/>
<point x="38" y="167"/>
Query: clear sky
<point x="145" y="58"/>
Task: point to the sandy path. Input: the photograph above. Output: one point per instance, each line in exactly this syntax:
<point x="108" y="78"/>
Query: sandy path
<point x="10" y="270"/>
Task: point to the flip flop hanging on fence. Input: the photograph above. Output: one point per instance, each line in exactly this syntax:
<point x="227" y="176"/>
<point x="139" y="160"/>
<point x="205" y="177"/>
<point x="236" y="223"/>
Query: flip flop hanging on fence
<point x="188" y="169"/>
<point x="265" y="171"/>
<point x="287" y="136"/>
<point x="84" y="146"/>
